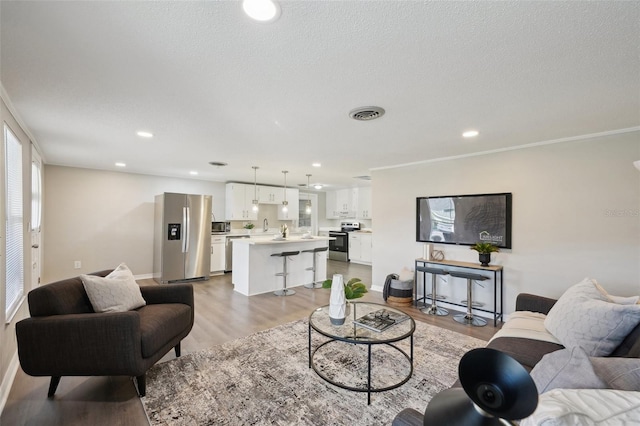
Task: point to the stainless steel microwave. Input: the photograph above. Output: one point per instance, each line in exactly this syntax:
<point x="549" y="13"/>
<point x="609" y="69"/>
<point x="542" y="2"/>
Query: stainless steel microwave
<point x="220" y="227"/>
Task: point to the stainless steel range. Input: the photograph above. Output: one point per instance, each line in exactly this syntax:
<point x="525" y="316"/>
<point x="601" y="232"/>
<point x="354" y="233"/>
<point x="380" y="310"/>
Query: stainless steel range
<point x="339" y="248"/>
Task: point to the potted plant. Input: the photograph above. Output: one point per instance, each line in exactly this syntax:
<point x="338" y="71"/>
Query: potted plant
<point x="484" y="252"/>
<point x="339" y="307"/>
<point x="354" y="289"/>
<point x="249" y="226"/>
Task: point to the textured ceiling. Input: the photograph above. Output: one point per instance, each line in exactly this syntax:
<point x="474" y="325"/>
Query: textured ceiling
<point x="213" y="85"/>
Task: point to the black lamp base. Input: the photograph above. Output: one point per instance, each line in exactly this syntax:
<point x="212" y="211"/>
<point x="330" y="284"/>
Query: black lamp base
<point x="453" y="407"/>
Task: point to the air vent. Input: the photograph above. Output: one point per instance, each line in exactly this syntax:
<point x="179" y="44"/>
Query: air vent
<point x="218" y="163"/>
<point x="366" y="113"/>
<point x="362" y="177"/>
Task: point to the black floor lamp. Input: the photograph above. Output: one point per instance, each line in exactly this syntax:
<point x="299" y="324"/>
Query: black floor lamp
<point x="496" y="390"/>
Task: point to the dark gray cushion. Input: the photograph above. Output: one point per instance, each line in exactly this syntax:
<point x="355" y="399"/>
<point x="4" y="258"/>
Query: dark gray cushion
<point x="618" y="373"/>
<point x="527" y="352"/>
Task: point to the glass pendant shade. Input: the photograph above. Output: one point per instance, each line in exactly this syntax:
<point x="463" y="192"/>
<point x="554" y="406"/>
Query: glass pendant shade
<point x="285" y="204"/>
<point x="255" y="190"/>
<point x="307" y="207"/>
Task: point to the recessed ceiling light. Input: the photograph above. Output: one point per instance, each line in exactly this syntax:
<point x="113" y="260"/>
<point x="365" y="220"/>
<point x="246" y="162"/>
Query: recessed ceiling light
<point x="316" y="165"/>
<point x="144" y="134"/>
<point x="261" y="10"/>
<point x="121" y="165"/>
<point x="470" y="134"/>
<point x="317" y="186"/>
<point x="193" y="173"/>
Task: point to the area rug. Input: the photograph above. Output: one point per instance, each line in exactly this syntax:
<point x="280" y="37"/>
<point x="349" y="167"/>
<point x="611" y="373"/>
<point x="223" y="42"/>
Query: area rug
<point x="265" y="379"/>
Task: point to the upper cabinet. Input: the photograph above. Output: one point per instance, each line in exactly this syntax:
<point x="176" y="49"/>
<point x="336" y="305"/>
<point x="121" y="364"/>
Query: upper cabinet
<point x="270" y="194"/>
<point x="293" y="207"/>
<point x="364" y="203"/>
<point x="238" y="202"/>
<point x="342" y="203"/>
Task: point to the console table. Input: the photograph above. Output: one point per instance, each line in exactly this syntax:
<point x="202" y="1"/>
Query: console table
<point x="495" y="270"/>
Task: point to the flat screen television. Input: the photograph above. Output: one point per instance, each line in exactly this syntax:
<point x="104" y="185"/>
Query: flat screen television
<point x="464" y="219"/>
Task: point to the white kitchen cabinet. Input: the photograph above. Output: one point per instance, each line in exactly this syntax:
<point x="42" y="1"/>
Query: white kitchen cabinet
<point x="340" y="204"/>
<point x="360" y="248"/>
<point x="293" y="211"/>
<point x="218" y="253"/>
<point x="270" y="194"/>
<point x="238" y="202"/>
<point x="364" y="203"/>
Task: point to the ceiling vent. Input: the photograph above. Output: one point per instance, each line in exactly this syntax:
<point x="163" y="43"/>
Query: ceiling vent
<point x="366" y="113"/>
<point x="218" y="163"/>
<point x="362" y="177"/>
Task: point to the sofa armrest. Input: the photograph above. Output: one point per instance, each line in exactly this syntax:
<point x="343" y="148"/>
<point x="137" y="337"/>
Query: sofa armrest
<point x="534" y="303"/>
<point x="168" y="293"/>
<point x="80" y="344"/>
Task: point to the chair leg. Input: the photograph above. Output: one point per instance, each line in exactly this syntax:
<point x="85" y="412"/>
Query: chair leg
<point x="142" y="385"/>
<point x="53" y="385"/>
<point x="177" y="349"/>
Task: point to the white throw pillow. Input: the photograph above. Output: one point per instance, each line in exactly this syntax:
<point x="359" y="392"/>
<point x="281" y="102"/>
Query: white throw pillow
<point x="585" y="317"/>
<point x="622" y="300"/>
<point x="564" y="407"/>
<point x="117" y="292"/>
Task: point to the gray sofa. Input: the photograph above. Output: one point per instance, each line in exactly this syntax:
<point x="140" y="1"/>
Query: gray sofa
<point x="528" y="352"/>
<point x="65" y="337"/>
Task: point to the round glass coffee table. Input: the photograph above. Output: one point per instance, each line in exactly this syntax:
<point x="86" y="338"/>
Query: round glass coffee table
<point x="351" y="332"/>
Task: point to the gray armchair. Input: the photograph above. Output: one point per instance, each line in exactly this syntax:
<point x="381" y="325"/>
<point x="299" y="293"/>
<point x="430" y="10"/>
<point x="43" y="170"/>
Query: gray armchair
<point x="65" y="337"/>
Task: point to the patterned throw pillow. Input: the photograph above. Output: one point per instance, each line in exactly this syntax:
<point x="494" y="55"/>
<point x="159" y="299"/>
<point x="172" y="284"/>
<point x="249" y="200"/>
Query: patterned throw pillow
<point x="585" y="317"/>
<point x="117" y="292"/>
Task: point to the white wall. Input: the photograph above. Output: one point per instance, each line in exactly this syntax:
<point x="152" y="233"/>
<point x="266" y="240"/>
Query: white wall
<point x="103" y="218"/>
<point x="575" y="213"/>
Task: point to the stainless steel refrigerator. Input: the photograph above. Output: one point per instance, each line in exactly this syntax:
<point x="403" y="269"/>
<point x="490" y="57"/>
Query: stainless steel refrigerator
<point x="182" y="237"/>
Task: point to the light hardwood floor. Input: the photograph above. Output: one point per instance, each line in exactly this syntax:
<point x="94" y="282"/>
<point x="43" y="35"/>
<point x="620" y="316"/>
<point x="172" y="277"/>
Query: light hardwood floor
<point x="220" y="315"/>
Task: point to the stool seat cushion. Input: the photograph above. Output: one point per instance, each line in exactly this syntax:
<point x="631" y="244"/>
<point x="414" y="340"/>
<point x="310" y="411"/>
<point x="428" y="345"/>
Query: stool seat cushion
<point x="468" y="275"/>
<point x="286" y="253"/>
<point x="435" y="271"/>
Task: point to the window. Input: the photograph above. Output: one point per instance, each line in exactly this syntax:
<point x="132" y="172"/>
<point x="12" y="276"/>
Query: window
<point x="14" y="280"/>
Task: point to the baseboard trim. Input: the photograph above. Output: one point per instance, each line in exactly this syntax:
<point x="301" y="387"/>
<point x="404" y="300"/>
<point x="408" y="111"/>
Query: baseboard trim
<point x="7" y="381"/>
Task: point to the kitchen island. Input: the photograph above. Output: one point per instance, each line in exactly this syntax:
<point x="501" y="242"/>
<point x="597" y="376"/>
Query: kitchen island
<point x="254" y="269"/>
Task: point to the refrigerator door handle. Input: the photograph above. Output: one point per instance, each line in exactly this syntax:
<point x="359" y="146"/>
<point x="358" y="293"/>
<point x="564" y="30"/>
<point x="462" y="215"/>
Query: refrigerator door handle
<point x="185" y="221"/>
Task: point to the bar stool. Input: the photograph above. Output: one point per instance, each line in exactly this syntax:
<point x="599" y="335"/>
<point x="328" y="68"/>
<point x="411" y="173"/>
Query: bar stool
<point x="314" y="251"/>
<point x="469" y="318"/>
<point x="433" y="309"/>
<point x="285" y="254"/>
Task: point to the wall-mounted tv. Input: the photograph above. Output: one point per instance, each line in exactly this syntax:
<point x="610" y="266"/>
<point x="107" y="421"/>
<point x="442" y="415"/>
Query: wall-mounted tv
<point x="464" y="219"/>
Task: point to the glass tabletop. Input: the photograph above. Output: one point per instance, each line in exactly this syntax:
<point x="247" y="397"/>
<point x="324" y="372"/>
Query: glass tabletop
<point x="352" y="332"/>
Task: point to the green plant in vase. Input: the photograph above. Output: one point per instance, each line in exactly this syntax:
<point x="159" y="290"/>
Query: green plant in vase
<point x="484" y="252"/>
<point x="354" y="289"/>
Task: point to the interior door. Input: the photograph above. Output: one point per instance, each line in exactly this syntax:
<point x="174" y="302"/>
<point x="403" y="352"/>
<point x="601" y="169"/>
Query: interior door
<point x="36" y="217"/>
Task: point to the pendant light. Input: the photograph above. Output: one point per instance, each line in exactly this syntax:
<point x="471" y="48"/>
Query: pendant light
<point x="255" y="189"/>
<point x="285" y="203"/>
<point x="307" y="207"/>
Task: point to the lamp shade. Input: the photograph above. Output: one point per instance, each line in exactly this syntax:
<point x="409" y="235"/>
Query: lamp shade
<point x="495" y="387"/>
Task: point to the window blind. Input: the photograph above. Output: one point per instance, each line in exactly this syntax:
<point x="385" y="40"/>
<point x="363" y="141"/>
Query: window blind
<point x="14" y="280"/>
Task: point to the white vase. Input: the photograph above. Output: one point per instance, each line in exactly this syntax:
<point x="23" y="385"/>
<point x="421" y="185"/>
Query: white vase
<point x="337" y="301"/>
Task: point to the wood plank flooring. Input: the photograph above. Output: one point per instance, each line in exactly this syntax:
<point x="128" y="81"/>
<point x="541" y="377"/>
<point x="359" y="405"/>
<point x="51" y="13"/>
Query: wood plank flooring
<point x="221" y="315"/>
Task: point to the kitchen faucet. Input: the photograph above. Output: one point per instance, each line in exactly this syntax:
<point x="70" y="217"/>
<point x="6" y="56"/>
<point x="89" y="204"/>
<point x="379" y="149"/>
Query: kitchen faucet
<point x="265" y="225"/>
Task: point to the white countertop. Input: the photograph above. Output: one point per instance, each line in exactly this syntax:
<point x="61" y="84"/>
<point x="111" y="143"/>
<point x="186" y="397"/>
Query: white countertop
<point x="295" y="239"/>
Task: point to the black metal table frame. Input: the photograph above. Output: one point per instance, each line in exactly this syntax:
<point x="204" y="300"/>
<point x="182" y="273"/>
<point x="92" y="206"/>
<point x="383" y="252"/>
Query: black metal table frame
<point x="497" y="283"/>
<point x="356" y="340"/>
